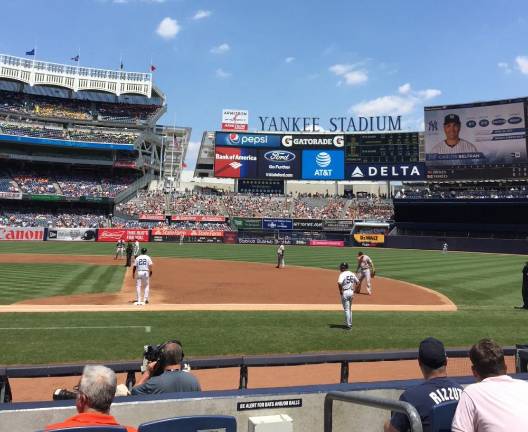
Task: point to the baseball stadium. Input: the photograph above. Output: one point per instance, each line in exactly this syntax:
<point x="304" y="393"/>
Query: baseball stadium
<point x="113" y="252"/>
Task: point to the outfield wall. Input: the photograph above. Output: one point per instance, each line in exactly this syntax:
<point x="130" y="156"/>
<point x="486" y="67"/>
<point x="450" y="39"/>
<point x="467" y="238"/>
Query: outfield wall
<point x="307" y="407"/>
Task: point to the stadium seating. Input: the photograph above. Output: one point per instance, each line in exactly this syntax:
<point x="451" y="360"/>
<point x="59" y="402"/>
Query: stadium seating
<point x="190" y="424"/>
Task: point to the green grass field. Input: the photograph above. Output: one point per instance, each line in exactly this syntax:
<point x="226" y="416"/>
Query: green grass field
<point x="485" y="288"/>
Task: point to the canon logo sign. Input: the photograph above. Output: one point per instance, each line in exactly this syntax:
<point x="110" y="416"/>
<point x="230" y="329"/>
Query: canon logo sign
<point x="31" y="234"/>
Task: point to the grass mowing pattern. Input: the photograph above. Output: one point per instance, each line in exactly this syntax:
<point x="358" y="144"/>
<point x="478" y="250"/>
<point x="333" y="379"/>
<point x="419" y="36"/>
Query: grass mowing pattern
<point x="26" y="281"/>
<point x="484" y="287"/>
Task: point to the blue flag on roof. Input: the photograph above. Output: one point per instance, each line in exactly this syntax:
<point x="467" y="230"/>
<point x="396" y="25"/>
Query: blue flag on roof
<point x="76" y="58"/>
<point x="32" y="52"/>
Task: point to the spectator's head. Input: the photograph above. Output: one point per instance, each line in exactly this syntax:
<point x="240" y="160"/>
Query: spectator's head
<point x="487" y="359"/>
<point x="171" y="355"/>
<point x="432" y="357"/>
<point x="96" y="389"/>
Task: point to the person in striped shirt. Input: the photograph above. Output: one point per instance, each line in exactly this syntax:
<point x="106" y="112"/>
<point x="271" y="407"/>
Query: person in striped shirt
<point x="453" y="144"/>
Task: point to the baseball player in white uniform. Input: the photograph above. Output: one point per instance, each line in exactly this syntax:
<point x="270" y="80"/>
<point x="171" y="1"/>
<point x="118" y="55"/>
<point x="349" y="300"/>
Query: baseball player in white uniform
<point x="120" y="249"/>
<point x="444" y="247"/>
<point x="136" y="249"/>
<point x="346" y="282"/>
<point x="280" y="255"/>
<point x="142" y="272"/>
<point x="365" y="270"/>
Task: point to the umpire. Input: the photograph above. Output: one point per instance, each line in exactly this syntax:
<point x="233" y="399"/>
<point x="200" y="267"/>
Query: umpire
<point x="129" y="252"/>
<point x="524" y="288"/>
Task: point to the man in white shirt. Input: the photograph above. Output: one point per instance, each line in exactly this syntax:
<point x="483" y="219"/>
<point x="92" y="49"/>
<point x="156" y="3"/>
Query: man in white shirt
<point x="346" y="283"/>
<point x="142" y="272"/>
<point x="497" y="402"/>
<point x="365" y="270"/>
<point x="280" y="255"/>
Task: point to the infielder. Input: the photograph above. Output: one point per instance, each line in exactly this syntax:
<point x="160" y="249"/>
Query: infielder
<point x="365" y="270"/>
<point x="347" y="282"/>
<point x="280" y="255"/>
<point x="444" y="247"/>
<point x="142" y="272"/>
<point x="120" y="249"/>
<point x="136" y="249"/>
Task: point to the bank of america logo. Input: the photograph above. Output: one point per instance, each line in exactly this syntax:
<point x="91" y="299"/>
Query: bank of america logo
<point x="235" y="165"/>
<point x="357" y="173"/>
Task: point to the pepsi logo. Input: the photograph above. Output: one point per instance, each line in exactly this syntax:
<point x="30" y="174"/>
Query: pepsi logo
<point x="514" y="120"/>
<point x="233" y="138"/>
<point x="498" y="121"/>
<point x="483" y="123"/>
<point x="279" y="156"/>
<point x="471" y="123"/>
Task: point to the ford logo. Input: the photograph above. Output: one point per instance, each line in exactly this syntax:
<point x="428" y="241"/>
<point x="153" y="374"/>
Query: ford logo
<point x="498" y="121"/>
<point x="514" y="120"/>
<point x="471" y="123"/>
<point x="279" y="156"/>
<point x="483" y="123"/>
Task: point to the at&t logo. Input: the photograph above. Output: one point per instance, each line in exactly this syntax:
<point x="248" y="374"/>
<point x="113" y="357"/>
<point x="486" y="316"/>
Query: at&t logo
<point x="323" y="160"/>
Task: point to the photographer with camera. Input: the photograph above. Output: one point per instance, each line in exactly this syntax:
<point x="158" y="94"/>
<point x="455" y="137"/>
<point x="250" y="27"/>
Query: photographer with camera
<point x="163" y="372"/>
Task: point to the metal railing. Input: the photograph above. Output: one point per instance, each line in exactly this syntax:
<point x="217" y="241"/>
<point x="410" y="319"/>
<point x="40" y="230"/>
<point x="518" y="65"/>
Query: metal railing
<point x="371" y="401"/>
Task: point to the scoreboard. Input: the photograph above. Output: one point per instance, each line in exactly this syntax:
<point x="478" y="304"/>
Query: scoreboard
<point x="382" y="148"/>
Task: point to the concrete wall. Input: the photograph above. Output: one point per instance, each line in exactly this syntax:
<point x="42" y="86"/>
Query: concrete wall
<point x="135" y="410"/>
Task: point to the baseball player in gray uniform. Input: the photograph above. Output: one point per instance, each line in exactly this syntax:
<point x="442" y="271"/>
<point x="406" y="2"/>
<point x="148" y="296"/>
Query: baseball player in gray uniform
<point x="142" y="272"/>
<point x="120" y="249"/>
<point x="346" y="282"/>
<point x="280" y="255"/>
<point x="365" y="270"/>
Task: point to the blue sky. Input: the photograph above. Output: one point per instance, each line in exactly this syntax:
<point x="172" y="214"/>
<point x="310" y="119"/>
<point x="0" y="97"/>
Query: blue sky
<point x="288" y="58"/>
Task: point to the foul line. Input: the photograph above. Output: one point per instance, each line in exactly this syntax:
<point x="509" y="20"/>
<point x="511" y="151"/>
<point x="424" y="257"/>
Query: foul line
<point x="148" y="329"/>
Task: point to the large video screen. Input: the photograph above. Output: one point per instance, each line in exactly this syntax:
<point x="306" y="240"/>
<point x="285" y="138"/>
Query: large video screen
<point x="478" y="134"/>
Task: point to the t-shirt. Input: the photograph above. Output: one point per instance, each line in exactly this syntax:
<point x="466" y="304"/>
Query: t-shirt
<point x="347" y="280"/>
<point x="365" y="262"/>
<point x="88" y="419"/>
<point x="462" y="146"/>
<point x="142" y="263"/>
<point x="423" y="397"/>
<point x="495" y="404"/>
<point x="168" y="382"/>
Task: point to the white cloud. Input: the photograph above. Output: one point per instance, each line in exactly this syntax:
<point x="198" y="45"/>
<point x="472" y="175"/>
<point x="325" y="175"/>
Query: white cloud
<point x="404" y="89"/>
<point x="505" y="67"/>
<point x="168" y="28"/>
<point x="222" y="74"/>
<point x="404" y="103"/>
<point x="522" y="64"/>
<point x="349" y="73"/>
<point x="221" y="49"/>
<point x="201" y="14"/>
<point x="192" y="154"/>
<point x="142" y="1"/>
<point x="289" y="59"/>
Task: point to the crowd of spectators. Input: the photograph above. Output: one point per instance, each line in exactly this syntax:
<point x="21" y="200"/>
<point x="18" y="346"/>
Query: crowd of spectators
<point x="21" y="217"/>
<point x="70" y="134"/>
<point x="506" y="191"/>
<point x="61" y="108"/>
<point x="319" y="207"/>
<point x="370" y="209"/>
<point x="144" y="202"/>
<point x="257" y="205"/>
<point x="6" y="183"/>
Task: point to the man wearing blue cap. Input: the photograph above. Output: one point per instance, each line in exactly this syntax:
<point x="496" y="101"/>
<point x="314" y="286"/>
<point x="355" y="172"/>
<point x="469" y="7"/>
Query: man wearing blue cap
<point x="436" y="388"/>
<point x="453" y="144"/>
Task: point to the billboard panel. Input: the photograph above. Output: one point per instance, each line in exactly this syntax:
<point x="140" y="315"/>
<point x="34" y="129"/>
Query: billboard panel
<point x="127" y="234"/>
<point x="323" y="165"/>
<point x="254" y="140"/>
<point x="21" y="234"/>
<point x="313" y="141"/>
<point x="235" y="120"/>
<point x="277" y="224"/>
<point x="277" y="163"/>
<point x="397" y="171"/>
<point x="231" y="162"/>
<point x="488" y="133"/>
<point x="72" y="234"/>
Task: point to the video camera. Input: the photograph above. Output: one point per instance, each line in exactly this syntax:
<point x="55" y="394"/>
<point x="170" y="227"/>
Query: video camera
<point x="156" y="353"/>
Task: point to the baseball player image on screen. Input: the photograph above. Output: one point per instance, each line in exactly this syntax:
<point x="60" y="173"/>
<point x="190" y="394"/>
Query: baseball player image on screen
<point x="453" y="144"/>
<point x="346" y="283"/>
<point x="142" y="272"/>
<point x="365" y="270"/>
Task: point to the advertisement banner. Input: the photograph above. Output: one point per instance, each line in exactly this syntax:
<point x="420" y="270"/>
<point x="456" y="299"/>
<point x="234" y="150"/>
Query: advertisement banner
<point x="196" y="218"/>
<point x="484" y="133"/>
<point x="246" y="223"/>
<point x="230" y="237"/>
<point x="168" y="232"/>
<point x="233" y="162"/>
<point x="323" y="165"/>
<point x="152" y="217"/>
<point x="338" y="225"/>
<point x="235" y="120"/>
<point x="308" y="224"/>
<point x="35" y="197"/>
<point x="313" y="140"/>
<point x="255" y="240"/>
<point x="336" y="243"/>
<point x="21" y="234"/>
<point x="254" y="140"/>
<point x="397" y="171"/>
<point x="282" y="164"/>
<point x="115" y="234"/>
<point x="277" y="224"/>
<point x="11" y="195"/>
<point x="369" y="238"/>
<point x="72" y="234"/>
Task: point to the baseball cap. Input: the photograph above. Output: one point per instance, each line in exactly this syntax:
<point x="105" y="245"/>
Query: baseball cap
<point x="432" y="353"/>
<point x="451" y="118"/>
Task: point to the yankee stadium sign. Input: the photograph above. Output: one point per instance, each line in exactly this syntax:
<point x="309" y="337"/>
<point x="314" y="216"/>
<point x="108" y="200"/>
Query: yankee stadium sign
<point x="334" y="124"/>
